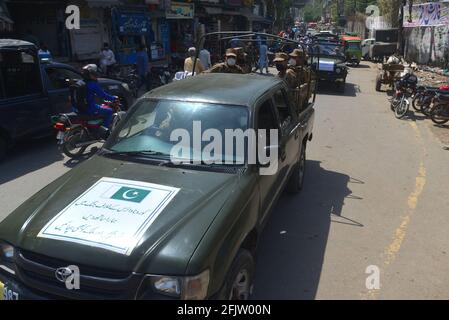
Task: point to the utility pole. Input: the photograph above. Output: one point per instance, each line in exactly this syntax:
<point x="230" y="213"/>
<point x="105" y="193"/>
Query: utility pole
<point x="401" y="27"/>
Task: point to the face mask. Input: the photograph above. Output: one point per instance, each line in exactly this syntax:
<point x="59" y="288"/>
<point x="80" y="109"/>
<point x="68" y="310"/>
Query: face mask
<point x="292" y="62"/>
<point x="231" y="62"/>
<point x="280" y="67"/>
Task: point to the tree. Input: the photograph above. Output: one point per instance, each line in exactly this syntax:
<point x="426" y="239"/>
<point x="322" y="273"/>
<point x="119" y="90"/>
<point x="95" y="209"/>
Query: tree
<point x="390" y="10"/>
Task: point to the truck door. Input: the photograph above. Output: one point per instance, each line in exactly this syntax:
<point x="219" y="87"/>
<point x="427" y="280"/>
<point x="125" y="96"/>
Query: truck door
<point x="290" y="134"/>
<point x="266" y="120"/>
<point x="25" y="103"/>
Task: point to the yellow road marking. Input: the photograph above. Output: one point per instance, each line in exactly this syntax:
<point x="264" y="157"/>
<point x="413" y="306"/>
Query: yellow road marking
<point x="394" y="247"/>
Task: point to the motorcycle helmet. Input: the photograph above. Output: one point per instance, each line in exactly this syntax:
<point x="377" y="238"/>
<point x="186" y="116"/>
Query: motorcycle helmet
<point x="90" y="70"/>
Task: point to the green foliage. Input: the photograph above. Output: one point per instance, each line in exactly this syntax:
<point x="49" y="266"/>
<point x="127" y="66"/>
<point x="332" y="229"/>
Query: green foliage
<point x="390" y="9"/>
<point x="313" y="11"/>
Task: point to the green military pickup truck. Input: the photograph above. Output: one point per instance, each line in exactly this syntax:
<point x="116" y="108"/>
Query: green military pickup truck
<point x="139" y="221"/>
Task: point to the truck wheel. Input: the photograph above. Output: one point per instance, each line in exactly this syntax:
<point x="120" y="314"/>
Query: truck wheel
<point x="3" y="148"/>
<point x="378" y="83"/>
<point x="239" y="280"/>
<point x="296" y="181"/>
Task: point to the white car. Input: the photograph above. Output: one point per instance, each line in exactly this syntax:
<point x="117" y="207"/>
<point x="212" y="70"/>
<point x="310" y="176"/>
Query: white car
<point x="366" y="44"/>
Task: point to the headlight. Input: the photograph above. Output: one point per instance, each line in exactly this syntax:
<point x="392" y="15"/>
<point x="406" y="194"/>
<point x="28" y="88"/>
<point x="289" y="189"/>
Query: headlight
<point x="185" y="288"/>
<point x="338" y="70"/>
<point x="7" y="257"/>
<point x="125" y="86"/>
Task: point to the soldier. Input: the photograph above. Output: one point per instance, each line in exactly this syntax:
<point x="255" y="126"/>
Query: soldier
<point x="288" y="75"/>
<point x="229" y="66"/>
<point x="297" y="64"/>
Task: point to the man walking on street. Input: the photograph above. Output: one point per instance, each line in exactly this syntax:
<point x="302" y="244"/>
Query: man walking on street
<point x="263" y="58"/>
<point x="205" y="58"/>
<point x="107" y="58"/>
<point x="143" y="67"/>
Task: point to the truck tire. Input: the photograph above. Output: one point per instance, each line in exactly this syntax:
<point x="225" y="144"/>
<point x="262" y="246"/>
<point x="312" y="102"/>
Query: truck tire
<point x="296" y="182"/>
<point x="378" y="83"/>
<point x="3" y="148"/>
<point x="239" y="280"/>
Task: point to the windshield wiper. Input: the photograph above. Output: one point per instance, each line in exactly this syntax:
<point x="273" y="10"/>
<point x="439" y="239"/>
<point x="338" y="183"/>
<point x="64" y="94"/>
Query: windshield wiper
<point x="137" y="153"/>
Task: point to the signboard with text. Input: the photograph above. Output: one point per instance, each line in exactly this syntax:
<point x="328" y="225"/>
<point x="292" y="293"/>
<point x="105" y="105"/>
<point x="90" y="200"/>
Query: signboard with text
<point x="113" y="214"/>
<point x="426" y="15"/>
<point x="180" y="11"/>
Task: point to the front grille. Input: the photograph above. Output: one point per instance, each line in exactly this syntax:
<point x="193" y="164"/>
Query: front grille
<point x="38" y="272"/>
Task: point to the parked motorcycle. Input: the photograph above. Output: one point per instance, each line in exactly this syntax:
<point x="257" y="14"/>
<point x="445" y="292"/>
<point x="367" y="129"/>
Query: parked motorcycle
<point x="127" y="74"/>
<point x="422" y="100"/>
<point x="160" y="75"/>
<point x="439" y="113"/>
<point x="77" y="132"/>
<point x="403" y="90"/>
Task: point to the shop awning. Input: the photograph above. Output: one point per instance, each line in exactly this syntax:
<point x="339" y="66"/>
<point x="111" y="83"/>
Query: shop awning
<point x="103" y="3"/>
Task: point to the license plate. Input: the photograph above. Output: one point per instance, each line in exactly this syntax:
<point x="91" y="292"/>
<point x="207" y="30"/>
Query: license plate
<point x="60" y="135"/>
<point x="7" y="293"/>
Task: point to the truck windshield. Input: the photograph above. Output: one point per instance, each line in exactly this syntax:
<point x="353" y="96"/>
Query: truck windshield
<point x="156" y="127"/>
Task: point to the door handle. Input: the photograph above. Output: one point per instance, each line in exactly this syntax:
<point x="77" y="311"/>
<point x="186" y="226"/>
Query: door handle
<point x="283" y="155"/>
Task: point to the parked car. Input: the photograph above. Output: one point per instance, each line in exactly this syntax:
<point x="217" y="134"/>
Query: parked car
<point x="32" y="91"/>
<point x="139" y="225"/>
<point x="366" y="45"/>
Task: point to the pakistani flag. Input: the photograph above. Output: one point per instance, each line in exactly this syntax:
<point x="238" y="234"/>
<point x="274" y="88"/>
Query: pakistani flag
<point x="131" y="194"/>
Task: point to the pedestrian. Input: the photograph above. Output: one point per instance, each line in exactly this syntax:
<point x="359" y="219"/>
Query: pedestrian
<point x="107" y="58"/>
<point x="205" y="57"/>
<point x="190" y="61"/>
<point x="143" y="67"/>
<point x="263" y="57"/>
<point x="44" y="53"/>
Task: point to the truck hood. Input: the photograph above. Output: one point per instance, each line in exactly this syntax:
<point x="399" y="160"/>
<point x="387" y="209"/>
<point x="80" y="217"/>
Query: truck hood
<point x="164" y="247"/>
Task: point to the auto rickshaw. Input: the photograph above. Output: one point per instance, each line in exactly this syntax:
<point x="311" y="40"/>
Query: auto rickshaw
<point x="353" y="49"/>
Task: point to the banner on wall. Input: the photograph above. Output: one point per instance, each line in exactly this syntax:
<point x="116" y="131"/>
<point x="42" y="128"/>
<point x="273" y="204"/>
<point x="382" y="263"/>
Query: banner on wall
<point x="426" y="15"/>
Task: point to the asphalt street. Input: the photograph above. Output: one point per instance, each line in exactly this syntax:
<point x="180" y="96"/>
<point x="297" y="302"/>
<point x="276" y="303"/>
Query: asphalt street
<point x="376" y="194"/>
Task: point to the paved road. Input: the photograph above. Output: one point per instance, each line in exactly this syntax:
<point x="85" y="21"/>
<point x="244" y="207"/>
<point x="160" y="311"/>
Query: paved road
<point x="376" y="194"/>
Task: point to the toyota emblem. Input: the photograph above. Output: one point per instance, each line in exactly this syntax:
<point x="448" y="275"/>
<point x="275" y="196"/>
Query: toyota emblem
<point x="63" y="273"/>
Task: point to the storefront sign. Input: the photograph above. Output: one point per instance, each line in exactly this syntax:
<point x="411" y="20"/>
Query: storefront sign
<point x="113" y="214"/>
<point x="180" y="11"/>
<point x="134" y="24"/>
<point x="426" y="14"/>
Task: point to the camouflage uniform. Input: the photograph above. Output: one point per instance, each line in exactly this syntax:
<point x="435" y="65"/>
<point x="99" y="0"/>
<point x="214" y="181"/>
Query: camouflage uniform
<point x="225" y="68"/>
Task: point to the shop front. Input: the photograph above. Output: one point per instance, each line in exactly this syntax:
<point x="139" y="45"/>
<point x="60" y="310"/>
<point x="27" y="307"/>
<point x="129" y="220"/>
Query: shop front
<point x="182" y="26"/>
<point x="95" y="25"/>
<point x="131" y="27"/>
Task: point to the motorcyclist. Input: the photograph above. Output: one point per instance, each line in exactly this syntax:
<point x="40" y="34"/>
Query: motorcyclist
<point x="90" y="76"/>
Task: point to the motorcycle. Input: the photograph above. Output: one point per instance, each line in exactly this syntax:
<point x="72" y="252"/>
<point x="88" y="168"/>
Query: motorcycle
<point x="128" y="75"/>
<point x="439" y="113"/>
<point x="422" y="100"/>
<point x="160" y="75"/>
<point x="403" y="89"/>
<point x="77" y="132"/>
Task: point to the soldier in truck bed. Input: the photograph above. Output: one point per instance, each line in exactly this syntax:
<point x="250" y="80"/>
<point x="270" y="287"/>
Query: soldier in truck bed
<point x="229" y="66"/>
